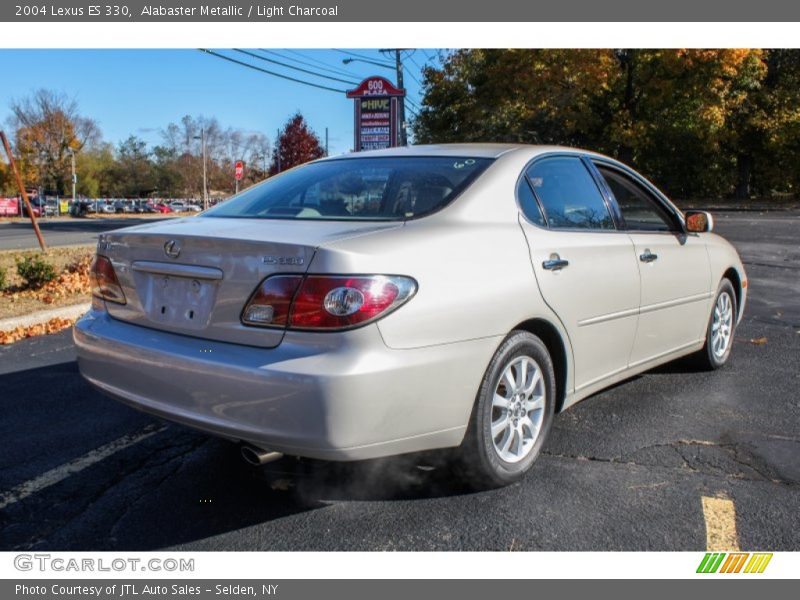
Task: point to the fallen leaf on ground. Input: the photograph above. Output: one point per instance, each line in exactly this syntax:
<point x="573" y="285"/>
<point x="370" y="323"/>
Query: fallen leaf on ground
<point x="21" y="332"/>
<point x="758" y="341"/>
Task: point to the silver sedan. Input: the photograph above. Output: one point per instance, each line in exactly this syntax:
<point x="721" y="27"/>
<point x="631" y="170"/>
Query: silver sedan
<point x="409" y="299"/>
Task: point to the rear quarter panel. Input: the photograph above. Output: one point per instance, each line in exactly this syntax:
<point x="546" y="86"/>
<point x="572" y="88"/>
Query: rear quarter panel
<point x="474" y="280"/>
<point x="470" y="260"/>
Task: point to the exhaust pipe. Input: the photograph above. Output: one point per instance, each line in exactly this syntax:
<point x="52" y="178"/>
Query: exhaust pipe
<point x="258" y="456"/>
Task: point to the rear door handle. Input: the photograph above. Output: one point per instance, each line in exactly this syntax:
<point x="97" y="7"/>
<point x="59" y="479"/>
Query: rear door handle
<point x="555" y="264"/>
<point x="648" y="256"/>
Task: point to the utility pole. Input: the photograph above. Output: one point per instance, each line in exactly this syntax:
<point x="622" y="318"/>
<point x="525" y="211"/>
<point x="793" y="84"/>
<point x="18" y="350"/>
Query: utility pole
<point x="402" y="112"/>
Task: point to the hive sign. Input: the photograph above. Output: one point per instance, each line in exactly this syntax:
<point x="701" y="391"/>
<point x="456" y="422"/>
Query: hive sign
<point x="375" y="113"/>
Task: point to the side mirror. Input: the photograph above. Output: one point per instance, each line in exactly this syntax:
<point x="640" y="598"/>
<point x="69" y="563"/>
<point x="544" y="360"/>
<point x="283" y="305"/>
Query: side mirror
<point x="699" y="221"/>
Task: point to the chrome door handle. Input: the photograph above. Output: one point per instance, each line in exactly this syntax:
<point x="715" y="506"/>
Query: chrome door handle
<point x="555" y="264"/>
<point x="648" y="256"/>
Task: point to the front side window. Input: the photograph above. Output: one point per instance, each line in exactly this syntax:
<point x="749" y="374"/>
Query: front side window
<point x="385" y="189"/>
<point x="568" y="194"/>
<point x="640" y="211"/>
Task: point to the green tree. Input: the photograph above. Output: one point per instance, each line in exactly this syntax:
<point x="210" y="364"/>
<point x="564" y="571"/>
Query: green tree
<point x="134" y="168"/>
<point x="96" y="170"/>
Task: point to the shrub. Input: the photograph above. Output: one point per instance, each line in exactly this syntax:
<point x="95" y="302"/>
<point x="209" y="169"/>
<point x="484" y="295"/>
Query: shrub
<point x="2" y="278"/>
<point x="35" y="271"/>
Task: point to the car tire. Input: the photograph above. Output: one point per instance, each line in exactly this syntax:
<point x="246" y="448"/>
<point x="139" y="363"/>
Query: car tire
<point x="721" y="328"/>
<point x="482" y="459"/>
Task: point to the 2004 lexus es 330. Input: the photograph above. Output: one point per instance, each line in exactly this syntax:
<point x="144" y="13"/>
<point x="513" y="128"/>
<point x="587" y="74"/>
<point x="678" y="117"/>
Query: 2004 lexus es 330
<point x="409" y="299"/>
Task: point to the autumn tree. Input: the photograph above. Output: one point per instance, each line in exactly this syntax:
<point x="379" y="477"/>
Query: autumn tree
<point x="48" y="126"/>
<point x="297" y="144"/>
<point x="670" y="112"/>
<point x="7" y="186"/>
<point x="764" y="136"/>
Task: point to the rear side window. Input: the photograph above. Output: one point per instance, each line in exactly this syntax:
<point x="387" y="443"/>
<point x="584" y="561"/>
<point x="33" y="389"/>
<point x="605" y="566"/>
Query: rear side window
<point x="528" y="203"/>
<point x="568" y="194"/>
<point x="359" y="189"/>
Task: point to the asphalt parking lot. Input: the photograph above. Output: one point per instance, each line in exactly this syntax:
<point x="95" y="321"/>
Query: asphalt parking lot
<point x="631" y="468"/>
<point x="64" y="231"/>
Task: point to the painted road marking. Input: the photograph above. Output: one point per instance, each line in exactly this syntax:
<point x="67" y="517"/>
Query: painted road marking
<point x="77" y="465"/>
<point x="720" y="517"/>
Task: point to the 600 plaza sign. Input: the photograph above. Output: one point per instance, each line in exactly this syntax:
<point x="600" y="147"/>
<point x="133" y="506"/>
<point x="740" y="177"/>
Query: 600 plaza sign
<point x="375" y="113"/>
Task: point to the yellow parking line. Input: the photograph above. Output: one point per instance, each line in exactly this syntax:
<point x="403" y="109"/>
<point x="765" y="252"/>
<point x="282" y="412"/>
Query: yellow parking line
<point x="720" y="517"/>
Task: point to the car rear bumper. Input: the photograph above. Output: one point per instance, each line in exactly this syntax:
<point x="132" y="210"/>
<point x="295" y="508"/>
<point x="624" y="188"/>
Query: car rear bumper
<point x="335" y="396"/>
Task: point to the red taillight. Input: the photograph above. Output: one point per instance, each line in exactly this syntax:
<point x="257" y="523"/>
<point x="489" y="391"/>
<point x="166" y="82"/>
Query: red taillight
<point x="104" y="281"/>
<point x="325" y="302"/>
<point x="269" y="306"/>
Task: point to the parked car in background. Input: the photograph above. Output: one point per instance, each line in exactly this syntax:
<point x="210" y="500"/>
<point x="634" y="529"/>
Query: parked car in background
<point x="193" y="208"/>
<point x="409" y="299"/>
<point x="106" y="208"/>
<point x="38" y="207"/>
<point x="51" y="207"/>
<point x="143" y="207"/>
<point x="163" y="208"/>
<point x="123" y="206"/>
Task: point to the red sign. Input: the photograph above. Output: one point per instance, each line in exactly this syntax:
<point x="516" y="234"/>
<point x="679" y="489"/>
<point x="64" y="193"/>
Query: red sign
<point x="9" y="207"/>
<point x="375" y="113"/>
<point x="239" y="170"/>
<point x="375" y="86"/>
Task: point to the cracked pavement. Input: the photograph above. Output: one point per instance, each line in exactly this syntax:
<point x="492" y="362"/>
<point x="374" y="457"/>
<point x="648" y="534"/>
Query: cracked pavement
<point x="622" y="470"/>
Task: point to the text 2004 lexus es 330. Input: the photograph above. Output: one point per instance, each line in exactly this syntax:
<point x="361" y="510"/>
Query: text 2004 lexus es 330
<point x="408" y="299"/>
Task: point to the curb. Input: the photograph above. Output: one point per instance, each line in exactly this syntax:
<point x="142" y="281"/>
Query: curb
<point x="43" y="316"/>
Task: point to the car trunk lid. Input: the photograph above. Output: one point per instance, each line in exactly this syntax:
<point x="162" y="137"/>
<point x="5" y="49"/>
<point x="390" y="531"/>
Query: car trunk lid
<point x="194" y="276"/>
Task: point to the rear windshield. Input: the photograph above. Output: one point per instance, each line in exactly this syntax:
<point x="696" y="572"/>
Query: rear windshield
<point x="384" y="189"/>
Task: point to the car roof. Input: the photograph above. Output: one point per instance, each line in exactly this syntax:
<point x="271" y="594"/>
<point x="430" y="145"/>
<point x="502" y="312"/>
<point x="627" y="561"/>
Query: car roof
<point x="471" y="150"/>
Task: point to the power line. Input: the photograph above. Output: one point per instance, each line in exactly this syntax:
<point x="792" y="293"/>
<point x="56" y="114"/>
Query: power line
<point x="302" y="70"/>
<point x="322" y="66"/>
<point x="362" y="56"/>
<point x="410" y="74"/>
<point x="416" y="64"/>
<point x="255" y="68"/>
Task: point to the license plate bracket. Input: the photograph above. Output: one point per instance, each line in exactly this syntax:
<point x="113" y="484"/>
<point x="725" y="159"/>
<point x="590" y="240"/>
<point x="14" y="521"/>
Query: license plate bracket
<point x="183" y="302"/>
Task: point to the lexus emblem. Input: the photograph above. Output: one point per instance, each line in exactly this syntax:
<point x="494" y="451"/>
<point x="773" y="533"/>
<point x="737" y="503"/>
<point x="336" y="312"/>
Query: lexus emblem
<point x="172" y="248"/>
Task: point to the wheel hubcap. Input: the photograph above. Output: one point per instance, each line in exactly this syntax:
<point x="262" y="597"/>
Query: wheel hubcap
<point x="722" y="325"/>
<point x="517" y="409"/>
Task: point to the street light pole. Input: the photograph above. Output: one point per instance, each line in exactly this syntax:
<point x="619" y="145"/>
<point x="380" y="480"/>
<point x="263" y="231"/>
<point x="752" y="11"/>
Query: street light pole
<point x="74" y="177"/>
